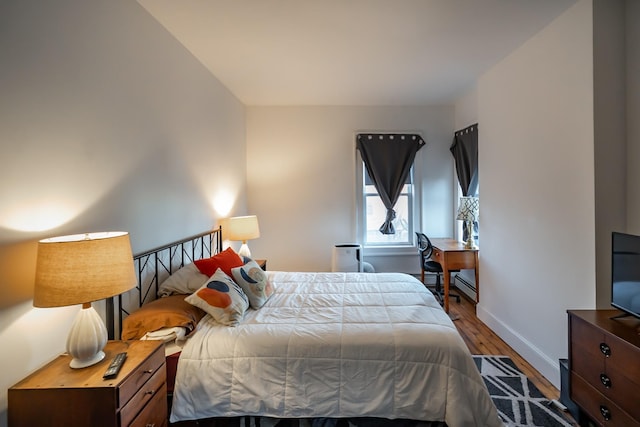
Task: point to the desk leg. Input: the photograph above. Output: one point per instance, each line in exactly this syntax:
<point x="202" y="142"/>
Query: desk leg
<point x="447" y="280"/>
<point x="477" y="274"/>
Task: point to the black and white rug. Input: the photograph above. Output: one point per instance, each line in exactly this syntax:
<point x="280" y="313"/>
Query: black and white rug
<point x="518" y="400"/>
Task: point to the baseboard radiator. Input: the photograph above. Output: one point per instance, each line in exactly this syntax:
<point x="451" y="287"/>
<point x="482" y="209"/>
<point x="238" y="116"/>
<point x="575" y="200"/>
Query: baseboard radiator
<point x="465" y="281"/>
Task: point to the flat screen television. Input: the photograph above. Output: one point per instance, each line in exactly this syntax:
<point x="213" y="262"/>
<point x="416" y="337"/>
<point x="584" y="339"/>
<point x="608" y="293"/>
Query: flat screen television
<point x="625" y="273"/>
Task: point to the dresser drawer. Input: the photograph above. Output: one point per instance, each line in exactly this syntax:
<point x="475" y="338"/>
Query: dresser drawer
<point x="585" y="342"/>
<point x="624" y="357"/>
<point x="145" y="395"/>
<point x="597" y="406"/>
<point x="623" y="370"/>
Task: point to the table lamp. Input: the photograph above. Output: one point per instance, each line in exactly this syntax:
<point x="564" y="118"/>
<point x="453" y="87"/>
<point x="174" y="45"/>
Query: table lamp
<point x="79" y="269"/>
<point x="243" y="228"/>
<point x="468" y="212"/>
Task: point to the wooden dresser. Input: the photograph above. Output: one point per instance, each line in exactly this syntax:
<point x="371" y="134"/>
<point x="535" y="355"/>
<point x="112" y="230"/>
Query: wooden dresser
<point x="57" y="395"/>
<point x="604" y="366"/>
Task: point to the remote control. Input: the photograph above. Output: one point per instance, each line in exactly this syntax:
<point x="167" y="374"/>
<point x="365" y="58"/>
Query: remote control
<point x="114" y="367"/>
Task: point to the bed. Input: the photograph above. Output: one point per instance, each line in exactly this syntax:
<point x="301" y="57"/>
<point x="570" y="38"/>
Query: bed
<point x="320" y="346"/>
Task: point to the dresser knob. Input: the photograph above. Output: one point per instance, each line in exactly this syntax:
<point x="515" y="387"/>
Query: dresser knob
<point x="606" y="413"/>
<point x="151" y="425"/>
<point x="605" y="380"/>
<point x="605" y="349"/>
<point x="148" y="371"/>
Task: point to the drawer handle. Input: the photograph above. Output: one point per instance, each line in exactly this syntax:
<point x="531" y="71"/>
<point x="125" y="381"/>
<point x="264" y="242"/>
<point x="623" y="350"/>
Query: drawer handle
<point x="148" y="371"/>
<point x="605" y="349"/>
<point x="605" y="380"/>
<point x="149" y="392"/>
<point x="606" y="413"/>
<point x="150" y="425"/>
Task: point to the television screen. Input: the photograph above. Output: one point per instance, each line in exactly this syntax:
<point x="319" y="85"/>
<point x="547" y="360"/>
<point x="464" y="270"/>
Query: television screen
<point x="625" y="273"/>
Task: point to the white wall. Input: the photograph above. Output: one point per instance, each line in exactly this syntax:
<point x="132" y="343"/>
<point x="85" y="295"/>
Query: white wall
<point x="610" y="148"/>
<point x="466" y="109"/>
<point x="632" y="15"/>
<point x="536" y="161"/>
<point x="301" y="179"/>
<point x="106" y="122"/>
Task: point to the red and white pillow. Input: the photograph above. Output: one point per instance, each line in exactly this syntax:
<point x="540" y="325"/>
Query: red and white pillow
<point x="222" y="298"/>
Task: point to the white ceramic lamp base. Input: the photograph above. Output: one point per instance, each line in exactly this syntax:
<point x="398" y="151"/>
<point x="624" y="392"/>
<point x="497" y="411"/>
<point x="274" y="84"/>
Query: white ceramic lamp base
<point x="470" y="243"/>
<point x="87" y="338"/>
<point x="244" y="250"/>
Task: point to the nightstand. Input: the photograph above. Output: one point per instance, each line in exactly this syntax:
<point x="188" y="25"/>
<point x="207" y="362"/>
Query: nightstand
<point x="57" y="395"/>
<point x="262" y="263"/>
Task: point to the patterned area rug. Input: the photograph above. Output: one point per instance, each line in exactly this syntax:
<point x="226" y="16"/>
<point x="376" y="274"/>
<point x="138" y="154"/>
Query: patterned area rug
<point x="518" y="400"/>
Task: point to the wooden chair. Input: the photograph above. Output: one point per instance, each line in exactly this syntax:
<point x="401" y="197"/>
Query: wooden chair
<point x="425" y="249"/>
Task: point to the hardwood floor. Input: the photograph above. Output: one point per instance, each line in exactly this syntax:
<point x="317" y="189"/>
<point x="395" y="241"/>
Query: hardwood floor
<point x="482" y="340"/>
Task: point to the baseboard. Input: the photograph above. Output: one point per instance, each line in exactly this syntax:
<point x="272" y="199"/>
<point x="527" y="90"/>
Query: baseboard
<point x="548" y="368"/>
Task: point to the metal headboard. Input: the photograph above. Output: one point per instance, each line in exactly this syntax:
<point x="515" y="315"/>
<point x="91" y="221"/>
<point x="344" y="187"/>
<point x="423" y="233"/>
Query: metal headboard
<point x="153" y="267"/>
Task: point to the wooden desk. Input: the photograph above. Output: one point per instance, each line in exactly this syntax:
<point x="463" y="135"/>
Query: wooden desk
<point x="452" y="255"/>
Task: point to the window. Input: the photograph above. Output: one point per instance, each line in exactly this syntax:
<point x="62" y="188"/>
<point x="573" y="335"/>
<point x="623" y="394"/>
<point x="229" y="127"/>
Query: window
<point x="371" y="213"/>
<point x="391" y="159"/>
<point x="375" y="214"/>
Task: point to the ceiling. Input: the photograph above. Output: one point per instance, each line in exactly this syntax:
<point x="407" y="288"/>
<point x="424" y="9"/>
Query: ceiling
<point x="352" y="52"/>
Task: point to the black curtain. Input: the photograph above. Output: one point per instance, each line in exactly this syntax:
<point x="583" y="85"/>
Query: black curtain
<point x="388" y="159"/>
<point x="465" y="153"/>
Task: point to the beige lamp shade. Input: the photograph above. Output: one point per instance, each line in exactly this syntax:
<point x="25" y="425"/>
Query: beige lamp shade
<point x="243" y="228"/>
<point x="82" y="268"/>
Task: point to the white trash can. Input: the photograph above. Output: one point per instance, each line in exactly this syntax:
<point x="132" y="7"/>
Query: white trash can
<point x="347" y="257"/>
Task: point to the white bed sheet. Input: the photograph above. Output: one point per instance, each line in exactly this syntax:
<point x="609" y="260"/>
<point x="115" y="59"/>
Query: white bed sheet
<point x="335" y="345"/>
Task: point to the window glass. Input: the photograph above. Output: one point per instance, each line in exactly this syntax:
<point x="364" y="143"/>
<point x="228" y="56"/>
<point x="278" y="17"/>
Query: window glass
<point x="375" y="214"/>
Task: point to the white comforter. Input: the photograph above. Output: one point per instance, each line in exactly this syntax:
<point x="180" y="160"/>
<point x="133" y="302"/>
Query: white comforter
<point x="335" y="345"/>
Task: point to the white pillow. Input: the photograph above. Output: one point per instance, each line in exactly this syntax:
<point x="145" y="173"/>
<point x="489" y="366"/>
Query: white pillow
<point x="222" y="298"/>
<point x="185" y="280"/>
<point x="254" y="283"/>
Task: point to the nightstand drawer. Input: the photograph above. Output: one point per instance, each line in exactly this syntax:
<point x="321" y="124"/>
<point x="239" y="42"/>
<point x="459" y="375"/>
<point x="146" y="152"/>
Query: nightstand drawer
<point x="141" y="375"/>
<point x="155" y="413"/>
<point x="147" y="392"/>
